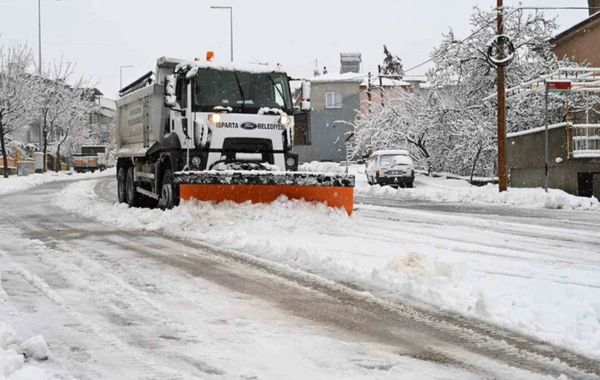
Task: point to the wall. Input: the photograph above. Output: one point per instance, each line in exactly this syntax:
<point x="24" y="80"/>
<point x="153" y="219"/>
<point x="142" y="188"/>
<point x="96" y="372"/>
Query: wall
<point x="525" y="161"/>
<point x="582" y="42"/>
<point x="327" y="132"/>
<point x="388" y="92"/>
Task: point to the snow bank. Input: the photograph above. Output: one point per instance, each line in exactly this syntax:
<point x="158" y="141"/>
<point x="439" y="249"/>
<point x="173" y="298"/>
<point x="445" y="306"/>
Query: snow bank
<point x="12" y="363"/>
<point x="484" y="269"/>
<point x="322" y="167"/>
<point x="16" y="183"/>
<point x="459" y="191"/>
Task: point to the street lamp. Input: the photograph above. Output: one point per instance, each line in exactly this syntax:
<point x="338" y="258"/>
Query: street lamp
<point x="40" y="58"/>
<point x="40" y="36"/>
<point x="121" y="75"/>
<point x="230" y="24"/>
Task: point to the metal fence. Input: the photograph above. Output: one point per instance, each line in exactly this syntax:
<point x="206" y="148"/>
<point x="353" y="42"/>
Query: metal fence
<point x="586" y="140"/>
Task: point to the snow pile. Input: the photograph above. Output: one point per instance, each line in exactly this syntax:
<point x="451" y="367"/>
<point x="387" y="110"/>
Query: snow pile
<point x="35" y="348"/>
<point x="17" y="183"/>
<point x="461" y="264"/>
<point x="459" y="191"/>
<point x="321" y="167"/>
<point x="12" y="363"/>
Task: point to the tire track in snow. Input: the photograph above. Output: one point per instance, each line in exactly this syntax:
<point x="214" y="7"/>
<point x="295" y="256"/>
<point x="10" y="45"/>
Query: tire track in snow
<point x="476" y="336"/>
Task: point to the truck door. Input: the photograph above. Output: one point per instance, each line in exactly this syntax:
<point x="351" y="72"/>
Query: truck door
<point x="181" y="118"/>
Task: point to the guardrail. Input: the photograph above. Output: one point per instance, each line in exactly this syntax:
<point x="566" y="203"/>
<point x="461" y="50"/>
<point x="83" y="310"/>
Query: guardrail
<point x="586" y="140"/>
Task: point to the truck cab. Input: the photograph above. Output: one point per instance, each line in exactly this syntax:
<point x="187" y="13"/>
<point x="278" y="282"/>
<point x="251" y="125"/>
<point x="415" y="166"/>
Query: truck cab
<point x="193" y="116"/>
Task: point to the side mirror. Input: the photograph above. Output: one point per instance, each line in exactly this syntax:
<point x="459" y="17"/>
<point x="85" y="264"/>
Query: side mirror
<point x="170" y="98"/>
<point x="305" y="96"/>
<point x="305" y="105"/>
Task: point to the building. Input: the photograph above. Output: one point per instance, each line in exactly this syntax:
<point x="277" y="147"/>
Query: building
<point x="100" y="120"/>
<point x="335" y="99"/>
<point x="380" y="89"/>
<point x="581" y="42"/>
<point x="573" y="145"/>
<point x="573" y="155"/>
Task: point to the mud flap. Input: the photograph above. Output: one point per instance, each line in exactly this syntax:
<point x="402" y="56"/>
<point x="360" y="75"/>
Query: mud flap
<point x="336" y="190"/>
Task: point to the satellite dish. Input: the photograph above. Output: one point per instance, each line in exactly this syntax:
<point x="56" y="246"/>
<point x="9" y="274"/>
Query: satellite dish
<point x="500" y="51"/>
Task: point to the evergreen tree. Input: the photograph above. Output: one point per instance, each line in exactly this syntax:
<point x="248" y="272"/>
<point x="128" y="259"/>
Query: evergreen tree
<point x="392" y="64"/>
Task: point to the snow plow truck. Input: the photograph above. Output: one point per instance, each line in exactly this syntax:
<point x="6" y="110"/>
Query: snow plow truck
<point x="215" y="132"/>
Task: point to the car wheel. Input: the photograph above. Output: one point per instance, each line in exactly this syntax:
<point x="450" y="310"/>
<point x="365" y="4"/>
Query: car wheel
<point x="409" y="184"/>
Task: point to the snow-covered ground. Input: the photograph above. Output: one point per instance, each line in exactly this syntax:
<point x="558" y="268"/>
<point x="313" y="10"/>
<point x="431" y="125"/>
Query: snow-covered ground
<point x="441" y="189"/>
<point x="13" y="365"/>
<point x="539" y="280"/>
<point x="17" y="183"/>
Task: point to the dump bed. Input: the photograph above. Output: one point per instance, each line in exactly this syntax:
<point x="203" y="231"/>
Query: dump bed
<point x="141" y="119"/>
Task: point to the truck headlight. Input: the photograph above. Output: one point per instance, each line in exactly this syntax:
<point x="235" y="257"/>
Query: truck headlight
<point x="196" y="161"/>
<point x="214" y="117"/>
<point x="284" y="119"/>
<point x="290" y="161"/>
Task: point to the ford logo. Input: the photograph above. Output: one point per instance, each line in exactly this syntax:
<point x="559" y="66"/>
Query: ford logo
<point x="248" y="125"/>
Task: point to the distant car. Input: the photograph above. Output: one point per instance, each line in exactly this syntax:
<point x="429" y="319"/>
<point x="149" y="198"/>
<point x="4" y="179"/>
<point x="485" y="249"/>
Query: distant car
<point x="390" y="167"/>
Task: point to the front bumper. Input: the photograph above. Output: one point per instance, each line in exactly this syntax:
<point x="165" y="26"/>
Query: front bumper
<point x="394" y="180"/>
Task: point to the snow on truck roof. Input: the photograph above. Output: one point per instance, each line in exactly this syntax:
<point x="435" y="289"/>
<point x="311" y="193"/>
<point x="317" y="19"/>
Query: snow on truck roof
<point x="399" y="152"/>
<point x="230" y="66"/>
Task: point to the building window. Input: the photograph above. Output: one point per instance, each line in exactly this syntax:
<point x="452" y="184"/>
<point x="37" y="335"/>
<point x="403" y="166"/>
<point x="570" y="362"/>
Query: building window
<point x="333" y="100"/>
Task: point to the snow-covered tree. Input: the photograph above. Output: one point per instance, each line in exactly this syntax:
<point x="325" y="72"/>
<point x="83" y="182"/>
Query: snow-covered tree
<point x="392" y="64"/>
<point x="74" y="122"/>
<point x="18" y="92"/>
<point x="61" y="101"/>
<point x="451" y="127"/>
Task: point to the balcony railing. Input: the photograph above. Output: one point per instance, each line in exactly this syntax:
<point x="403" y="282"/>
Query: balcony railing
<point x="586" y="140"/>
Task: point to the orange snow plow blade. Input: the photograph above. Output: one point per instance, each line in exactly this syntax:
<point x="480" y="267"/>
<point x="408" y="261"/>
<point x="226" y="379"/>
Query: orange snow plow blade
<point x="263" y="187"/>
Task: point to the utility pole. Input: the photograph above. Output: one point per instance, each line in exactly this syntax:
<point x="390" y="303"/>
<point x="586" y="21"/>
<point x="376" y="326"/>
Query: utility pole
<point x="546" y="136"/>
<point x="369" y="90"/>
<point x="501" y="109"/>
<point x="380" y="84"/>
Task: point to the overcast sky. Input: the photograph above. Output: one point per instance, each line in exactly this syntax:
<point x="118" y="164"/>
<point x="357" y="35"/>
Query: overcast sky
<point x="102" y="35"/>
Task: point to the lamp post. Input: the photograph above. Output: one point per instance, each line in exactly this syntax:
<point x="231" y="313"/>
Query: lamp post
<point x="121" y="75"/>
<point x="40" y="60"/>
<point x="230" y="25"/>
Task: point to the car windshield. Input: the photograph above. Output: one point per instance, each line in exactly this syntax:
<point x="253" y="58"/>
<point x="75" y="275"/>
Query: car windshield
<point x="394" y="159"/>
<point x="242" y="91"/>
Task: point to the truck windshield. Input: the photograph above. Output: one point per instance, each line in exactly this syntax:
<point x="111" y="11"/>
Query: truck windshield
<point x="255" y="90"/>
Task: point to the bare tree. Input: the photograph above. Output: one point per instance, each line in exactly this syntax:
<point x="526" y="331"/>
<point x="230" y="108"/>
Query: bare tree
<point x="18" y="92"/>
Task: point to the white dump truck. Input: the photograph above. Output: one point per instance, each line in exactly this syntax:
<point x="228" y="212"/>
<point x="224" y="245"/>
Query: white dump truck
<point x="214" y="131"/>
<point x="90" y="159"/>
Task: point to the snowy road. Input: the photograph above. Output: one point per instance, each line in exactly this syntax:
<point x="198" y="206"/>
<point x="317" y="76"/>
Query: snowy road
<point x="115" y="303"/>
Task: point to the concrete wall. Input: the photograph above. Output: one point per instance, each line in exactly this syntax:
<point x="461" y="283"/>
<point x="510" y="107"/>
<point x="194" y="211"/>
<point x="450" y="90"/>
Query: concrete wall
<point x="388" y="93"/>
<point x="582" y="44"/>
<point x="525" y="161"/>
<point x="327" y="133"/>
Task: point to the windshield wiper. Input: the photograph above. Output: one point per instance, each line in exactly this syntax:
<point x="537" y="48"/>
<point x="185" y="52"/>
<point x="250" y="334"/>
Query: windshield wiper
<point x="240" y="89"/>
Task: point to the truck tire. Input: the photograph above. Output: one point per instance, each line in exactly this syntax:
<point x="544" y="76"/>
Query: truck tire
<point x="168" y="197"/>
<point x="131" y="194"/>
<point x="121" y="184"/>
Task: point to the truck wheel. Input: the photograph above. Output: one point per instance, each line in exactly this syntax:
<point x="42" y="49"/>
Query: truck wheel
<point x="168" y="196"/>
<point x="132" y="195"/>
<point x="121" y="185"/>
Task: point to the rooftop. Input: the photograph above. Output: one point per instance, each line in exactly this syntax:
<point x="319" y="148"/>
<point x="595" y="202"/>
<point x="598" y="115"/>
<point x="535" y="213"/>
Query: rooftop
<point x="576" y="27"/>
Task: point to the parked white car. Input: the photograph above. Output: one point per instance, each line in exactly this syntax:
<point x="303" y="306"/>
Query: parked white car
<point x="390" y="167"/>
